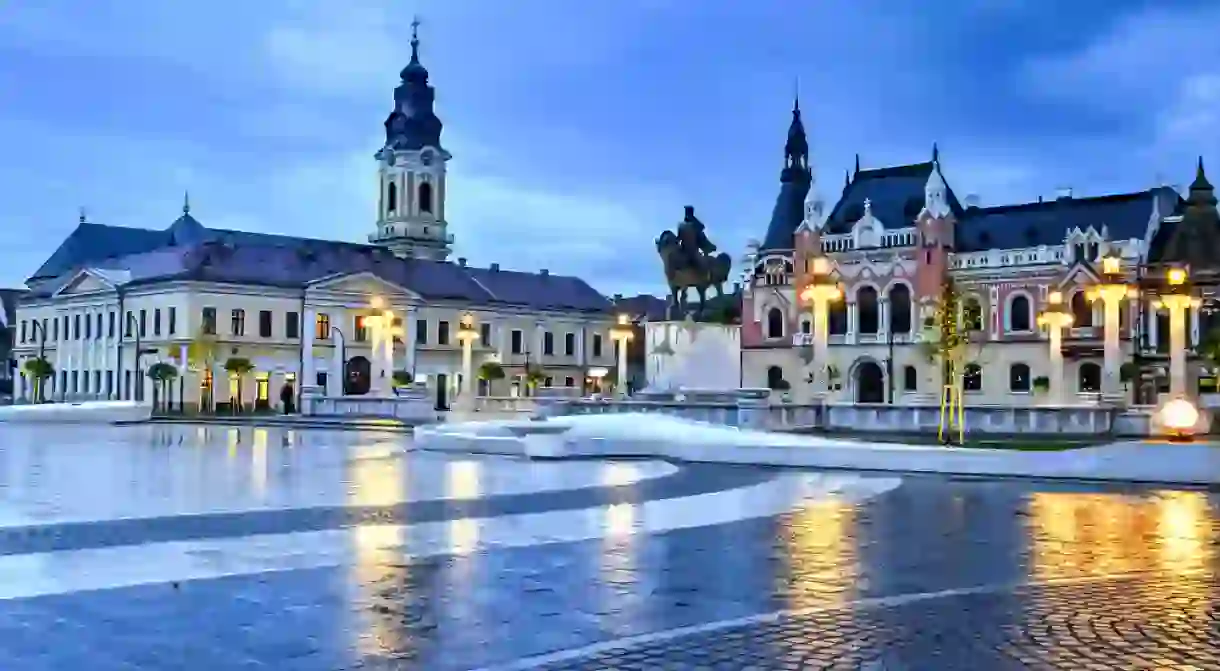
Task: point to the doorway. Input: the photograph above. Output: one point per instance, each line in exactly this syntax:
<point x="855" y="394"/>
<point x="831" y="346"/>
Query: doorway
<point x="870" y="383"/>
<point x="442" y="388"/>
<point x="357" y="372"/>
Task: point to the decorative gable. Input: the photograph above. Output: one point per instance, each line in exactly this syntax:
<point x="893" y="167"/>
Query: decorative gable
<point x="88" y="281"/>
<point x="362" y="284"/>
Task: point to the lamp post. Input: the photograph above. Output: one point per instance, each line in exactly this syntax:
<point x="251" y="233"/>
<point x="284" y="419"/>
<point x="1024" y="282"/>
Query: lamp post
<point x="42" y="353"/>
<point x="1177" y="298"/>
<point x="622" y="333"/>
<point x="819" y="293"/>
<point x="467" y="335"/>
<point x="139" y="381"/>
<point x="1111" y="292"/>
<point x="1055" y="318"/>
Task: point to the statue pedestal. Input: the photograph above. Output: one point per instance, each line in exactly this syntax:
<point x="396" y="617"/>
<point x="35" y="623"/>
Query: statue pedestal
<point x="690" y="355"/>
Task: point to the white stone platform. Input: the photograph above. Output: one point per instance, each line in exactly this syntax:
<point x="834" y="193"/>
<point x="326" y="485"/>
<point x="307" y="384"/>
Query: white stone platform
<point x="89" y="412"/>
<point x="665" y="437"/>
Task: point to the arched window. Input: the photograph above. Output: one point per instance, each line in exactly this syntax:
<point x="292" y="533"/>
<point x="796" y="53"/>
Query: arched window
<point x="775" y="323"/>
<point x="868" y="313"/>
<point x="1018" y="377"/>
<point x="775" y="377"/>
<point x="1090" y="377"/>
<point x="972" y="314"/>
<point x="1082" y="310"/>
<point x="391" y="199"/>
<point x="806" y="326"/>
<point x="900" y="309"/>
<point x="910" y="378"/>
<point x="425" y="198"/>
<point x="1019" y="314"/>
<point x="972" y="377"/>
<point x="837" y="318"/>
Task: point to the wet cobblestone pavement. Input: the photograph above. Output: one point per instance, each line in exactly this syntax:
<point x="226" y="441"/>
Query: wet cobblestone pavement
<point x="192" y="548"/>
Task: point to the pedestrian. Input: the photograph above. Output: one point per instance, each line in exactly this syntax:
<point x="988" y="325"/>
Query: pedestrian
<point x="286" y="398"/>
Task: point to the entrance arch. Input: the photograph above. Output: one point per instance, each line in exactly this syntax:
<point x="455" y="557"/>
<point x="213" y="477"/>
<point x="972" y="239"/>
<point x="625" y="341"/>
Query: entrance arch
<point x="356" y="374"/>
<point x="869" y="382"/>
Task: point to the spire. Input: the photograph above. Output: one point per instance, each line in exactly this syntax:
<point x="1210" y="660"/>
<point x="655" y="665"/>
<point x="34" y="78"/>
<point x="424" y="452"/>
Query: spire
<point x="1201" y="190"/>
<point x="935" y="191"/>
<point x="796" y="149"/>
<point x="415" y="71"/>
<point x="413" y="123"/>
<point x="935" y="153"/>
<point x="186" y="202"/>
<point x="857" y="163"/>
<point x="846" y="178"/>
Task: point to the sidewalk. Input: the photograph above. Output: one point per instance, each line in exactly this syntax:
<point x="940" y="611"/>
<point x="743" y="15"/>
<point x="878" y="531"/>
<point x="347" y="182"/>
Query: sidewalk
<point x="290" y="421"/>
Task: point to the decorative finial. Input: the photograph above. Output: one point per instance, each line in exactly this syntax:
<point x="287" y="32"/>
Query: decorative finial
<point x="857" y="164"/>
<point x="84" y="219"/>
<point x="1200" y="183"/>
<point x="868" y="207"/>
<point x="415" y="38"/>
<point x="846" y="178"/>
<point x="796" y="95"/>
<point x="186" y="202"/>
<point x="935" y="153"/>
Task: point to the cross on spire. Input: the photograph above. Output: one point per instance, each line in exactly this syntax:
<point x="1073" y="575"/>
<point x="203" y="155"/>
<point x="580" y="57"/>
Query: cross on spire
<point x="415" y="22"/>
<point x="84" y="218"/>
<point x="186" y="202"/>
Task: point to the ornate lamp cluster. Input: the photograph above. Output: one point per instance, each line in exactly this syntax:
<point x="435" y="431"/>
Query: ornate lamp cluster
<point x="622" y="333"/>
<point x="821" y="290"/>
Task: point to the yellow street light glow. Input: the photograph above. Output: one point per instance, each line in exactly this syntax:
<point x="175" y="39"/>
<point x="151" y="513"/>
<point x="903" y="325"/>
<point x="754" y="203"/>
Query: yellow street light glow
<point x="1110" y="265"/>
<point x="821" y="266"/>
<point x="1179" y="417"/>
<point x="1055" y="298"/>
<point x="1176" y="276"/>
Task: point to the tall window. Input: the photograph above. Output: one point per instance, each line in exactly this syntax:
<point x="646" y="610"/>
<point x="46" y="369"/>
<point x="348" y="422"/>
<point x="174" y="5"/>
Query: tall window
<point x="128" y="320"/>
<point x="868" y="314"/>
<point x="569" y="345"/>
<point x="88" y="327"/>
<point x="1019" y="378"/>
<point x="836" y="318"/>
<point x="173" y="320"/>
<point x="1090" y="377"/>
<point x="143" y="323"/>
<point x="157" y="321"/>
<point x="425" y="198"/>
<point x="597" y="344"/>
<point x="264" y="323"/>
<point x="1082" y="310"/>
<point x="1020" y="314"/>
<point x="516" y="343"/>
<point x="972" y="377"/>
<point x="391" y="198"/>
<point x="292" y="325"/>
<point x="209" y="321"/>
<point x="322" y="326"/>
<point x="421" y="331"/>
<point x="362" y="330"/>
<point x="485" y="334"/>
<point x="910" y="379"/>
<point x="442" y="333"/>
<point x="97" y="333"/>
<point x="775" y="323"/>
<point x="548" y="343"/>
<point x="110" y="325"/>
<point x="900" y="309"/>
<point x="972" y="314"/>
<point x="238" y="322"/>
<point x="76" y="327"/>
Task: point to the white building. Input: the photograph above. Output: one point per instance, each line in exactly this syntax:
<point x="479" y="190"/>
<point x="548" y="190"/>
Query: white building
<point x="109" y="292"/>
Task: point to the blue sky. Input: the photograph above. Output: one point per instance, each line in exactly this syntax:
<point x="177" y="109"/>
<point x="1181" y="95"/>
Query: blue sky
<point x="580" y="129"/>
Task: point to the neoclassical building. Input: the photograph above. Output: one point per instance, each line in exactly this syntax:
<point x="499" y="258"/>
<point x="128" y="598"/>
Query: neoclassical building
<point x="113" y="300"/>
<point x="891" y="236"/>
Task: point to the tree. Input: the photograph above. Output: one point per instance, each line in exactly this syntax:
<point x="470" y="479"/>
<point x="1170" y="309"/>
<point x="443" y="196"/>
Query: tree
<point x="1128" y="372"/>
<point x="534" y="377"/>
<point x="947" y="343"/>
<point x="39" y="370"/>
<point x="238" y="367"/>
<point x="201" y="356"/>
<point x="401" y="378"/>
<point x="491" y="370"/>
<point x="1042" y="384"/>
<point x="162" y="374"/>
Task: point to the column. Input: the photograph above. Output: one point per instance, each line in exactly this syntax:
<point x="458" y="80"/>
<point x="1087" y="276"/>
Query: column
<point x="1150" y="316"/>
<point x="621" y="345"/>
<point x="851" y="323"/>
<point x="309" y="329"/>
<point x="821" y="348"/>
<point x="334" y="378"/>
<point x="467" y="394"/>
<point x="1177" y="344"/>
<point x="1112" y="354"/>
<point x="408" y="342"/>
<point x="1058" y="382"/>
<point x="1194" y="327"/>
<point x="387" y="358"/>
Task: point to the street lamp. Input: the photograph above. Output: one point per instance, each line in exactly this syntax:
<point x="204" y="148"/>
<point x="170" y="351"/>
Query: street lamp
<point x="1055" y="318"/>
<point x="1177" y="297"/>
<point x="1111" y="291"/>
<point x="467" y="336"/>
<point x="622" y="333"/>
<point x="139" y="381"/>
<point x="820" y="291"/>
<point x="42" y="352"/>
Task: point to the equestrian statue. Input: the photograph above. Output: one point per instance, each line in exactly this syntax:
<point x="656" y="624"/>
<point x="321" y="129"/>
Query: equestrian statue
<point x="689" y="264"/>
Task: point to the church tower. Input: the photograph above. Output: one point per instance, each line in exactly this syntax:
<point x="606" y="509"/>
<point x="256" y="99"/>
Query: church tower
<point x="411" y="170"/>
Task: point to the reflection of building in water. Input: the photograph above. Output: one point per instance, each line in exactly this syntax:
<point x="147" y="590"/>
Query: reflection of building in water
<point x="622" y="586"/>
<point x="379" y="566"/>
<point x="258" y="462"/>
<point x="820" y="564"/>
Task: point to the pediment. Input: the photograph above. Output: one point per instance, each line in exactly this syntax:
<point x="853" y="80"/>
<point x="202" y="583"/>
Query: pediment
<point x="87" y="282"/>
<point x="363" y="284"/>
<point x="1079" y="273"/>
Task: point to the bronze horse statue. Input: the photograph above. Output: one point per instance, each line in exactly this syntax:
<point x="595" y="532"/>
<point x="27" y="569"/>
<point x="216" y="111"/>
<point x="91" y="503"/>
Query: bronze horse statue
<point x="689" y="264"/>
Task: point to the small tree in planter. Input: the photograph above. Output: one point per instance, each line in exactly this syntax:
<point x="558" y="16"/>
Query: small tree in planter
<point x="162" y="374"/>
<point x="490" y="371"/>
<point x="1127" y="373"/>
<point x="401" y="378"/>
<point x="533" y="378"/>
<point x="238" y="367"/>
<point x="39" y="371"/>
<point x="1042" y="384"/>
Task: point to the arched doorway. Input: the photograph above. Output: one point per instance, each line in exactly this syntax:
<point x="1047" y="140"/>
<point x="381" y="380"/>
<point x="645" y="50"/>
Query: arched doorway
<point x="870" y="383"/>
<point x="356" y="374"/>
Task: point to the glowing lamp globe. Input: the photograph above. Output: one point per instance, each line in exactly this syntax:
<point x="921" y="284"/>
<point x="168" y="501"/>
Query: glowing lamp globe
<point x="1179" y="417"/>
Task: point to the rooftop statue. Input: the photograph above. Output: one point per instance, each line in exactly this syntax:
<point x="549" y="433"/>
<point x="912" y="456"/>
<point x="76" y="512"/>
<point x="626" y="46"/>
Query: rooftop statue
<point x="687" y="256"/>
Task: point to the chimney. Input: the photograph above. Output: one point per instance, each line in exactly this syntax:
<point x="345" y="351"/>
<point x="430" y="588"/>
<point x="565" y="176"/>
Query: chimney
<point x="544" y="272"/>
<point x="495" y="267"/>
<point x="1063" y="193"/>
<point x="618" y="297"/>
<point x="972" y="200"/>
<point x="462" y="261"/>
<point x="1039" y="199"/>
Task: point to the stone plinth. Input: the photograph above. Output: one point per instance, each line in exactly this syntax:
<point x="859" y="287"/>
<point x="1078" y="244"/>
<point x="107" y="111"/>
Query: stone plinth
<point x="409" y="404"/>
<point x="690" y="355"/>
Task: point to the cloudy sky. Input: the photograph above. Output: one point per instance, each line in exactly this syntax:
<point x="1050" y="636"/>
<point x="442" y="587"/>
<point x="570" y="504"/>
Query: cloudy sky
<point x="579" y="129"/>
